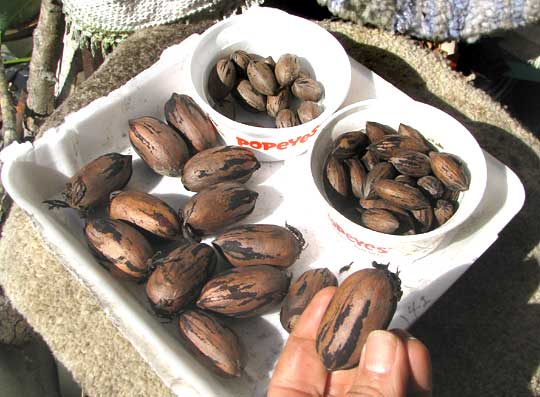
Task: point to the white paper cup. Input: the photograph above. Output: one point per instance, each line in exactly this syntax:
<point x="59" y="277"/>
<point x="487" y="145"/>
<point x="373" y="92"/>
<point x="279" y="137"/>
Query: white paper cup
<point x="445" y="132"/>
<point x="270" y="32"/>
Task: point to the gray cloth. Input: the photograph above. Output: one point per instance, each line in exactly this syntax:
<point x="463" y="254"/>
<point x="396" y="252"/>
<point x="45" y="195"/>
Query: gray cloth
<point x="438" y="19"/>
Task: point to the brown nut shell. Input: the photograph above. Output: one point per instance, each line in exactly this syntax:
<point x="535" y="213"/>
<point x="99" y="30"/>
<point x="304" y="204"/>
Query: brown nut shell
<point x="93" y="183"/>
<point x="275" y="103"/>
<point x="121" y="244"/>
<point x="399" y="194"/>
<point x="358" y="176"/>
<point x="249" y="98"/>
<point x="406" y="130"/>
<point x="307" y="89"/>
<point x="308" y="111"/>
<point x="350" y="144"/>
<point x="377" y="131"/>
<point x="218" y="206"/>
<point x="391" y="145"/>
<point x="378" y="172"/>
<point x="245" y="291"/>
<point x="287" y="69"/>
<point x="261" y="76"/>
<point x="337" y="177"/>
<point x="301" y="292"/>
<point x="241" y="61"/>
<point x="425" y="217"/>
<point x="443" y="211"/>
<point x="186" y="116"/>
<point x="158" y="145"/>
<point x="380" y="220"/>
<point x="431" y="185"/>
<point x="412" y="163"/>
<point x="450" y="170"/>
<point x="147" y="212"/>
<point x="222" y="79"/>
<point x="219" y="164"/>
<point x="260" y="244"/>
<point x="287" y="118"/>
<point x="215" y="344"/>
<point x="365" y="301"/>
<point x="179" y="276"/>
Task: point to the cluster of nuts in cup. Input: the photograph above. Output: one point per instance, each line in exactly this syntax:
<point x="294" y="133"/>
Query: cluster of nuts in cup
<point x="141" y="238"/>
<point x="262" y="85"/>
<point x="393" y="182"/>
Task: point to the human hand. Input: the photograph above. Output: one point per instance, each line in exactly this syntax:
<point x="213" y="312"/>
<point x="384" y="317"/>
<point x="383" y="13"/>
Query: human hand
<point x="392" y="364"/>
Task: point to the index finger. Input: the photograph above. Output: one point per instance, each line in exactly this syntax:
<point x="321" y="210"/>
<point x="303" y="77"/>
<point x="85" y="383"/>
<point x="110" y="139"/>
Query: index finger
<point x="299" y="371"/>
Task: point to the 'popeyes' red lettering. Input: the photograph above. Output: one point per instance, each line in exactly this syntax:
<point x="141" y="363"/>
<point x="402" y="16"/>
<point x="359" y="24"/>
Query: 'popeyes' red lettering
<point x="279" y="146"/>
<point x="368" y="247"/>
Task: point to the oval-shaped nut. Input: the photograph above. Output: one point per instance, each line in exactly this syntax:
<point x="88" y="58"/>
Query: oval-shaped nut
<point x="261" y="76"/>
<point x="450" y="170"/>
<point x="219" y="164"/>
<point x="286" y="118"/>
<point x="380" y="220"/>
<point x="370" y="160"/>
<point x="425" y="217"/>
<point x="218" y="206"/>
<point x="365" y="301"/>
<point x="215" y="344"/>
<point x="287" y="69"/>
<point x="383" y="205"/>
<point x="186" y="116"/>
<point x="405" y="130"/>
<point x="451" y="195"/>
<point x="158" y="145"/>
<point x="377" y="131"/>
<point x="120" y="244"/>
<point x="245" y="291"/>
<point x="275" y="103"/>
<point x="308" y="111"/>
<point x="412" y="163"/>
<point x="222" y="79"/>
<point x="179" y="276"/>
<point x="93" y="183"/>
<point x="443" y="211"/>
<point x="350" y="144"/>
<point x="226" y="107"/>
<point x="249" y="98"/>
<point x="406" y="179"/>
<point x="391" y="145"/>
<point x="337" y="177"/>
<point x="260" y="244"/>
<point x="301" y="292"/>
<point x="307" y="89"/>
<point x="380" y="171"/>
<point x="358" y="177"/>
<point x="241" y="60"/>
<point x="399" y="194"/>
<point x="431" y="185"/>
<point x="147" y="212"/>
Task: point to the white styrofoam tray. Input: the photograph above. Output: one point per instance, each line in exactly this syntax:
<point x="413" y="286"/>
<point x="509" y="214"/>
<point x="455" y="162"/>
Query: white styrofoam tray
<point x="35" y="172"/>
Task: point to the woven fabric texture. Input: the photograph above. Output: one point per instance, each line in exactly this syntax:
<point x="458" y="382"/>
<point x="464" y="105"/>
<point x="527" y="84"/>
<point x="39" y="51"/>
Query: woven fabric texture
<point x="439" y="19"/>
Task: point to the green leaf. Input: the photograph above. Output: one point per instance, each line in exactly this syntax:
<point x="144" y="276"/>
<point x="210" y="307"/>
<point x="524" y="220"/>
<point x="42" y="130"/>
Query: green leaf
<point x="17" y="60"/>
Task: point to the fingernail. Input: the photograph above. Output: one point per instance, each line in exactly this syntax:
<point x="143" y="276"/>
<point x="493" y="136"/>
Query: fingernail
<point x="380" y="351"/>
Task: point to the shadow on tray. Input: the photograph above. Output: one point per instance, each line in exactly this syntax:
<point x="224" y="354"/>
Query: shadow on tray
<point x="484" y="321"/>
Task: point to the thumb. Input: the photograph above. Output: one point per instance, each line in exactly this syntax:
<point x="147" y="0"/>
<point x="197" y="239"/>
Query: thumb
<point x="384" y="368"/>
